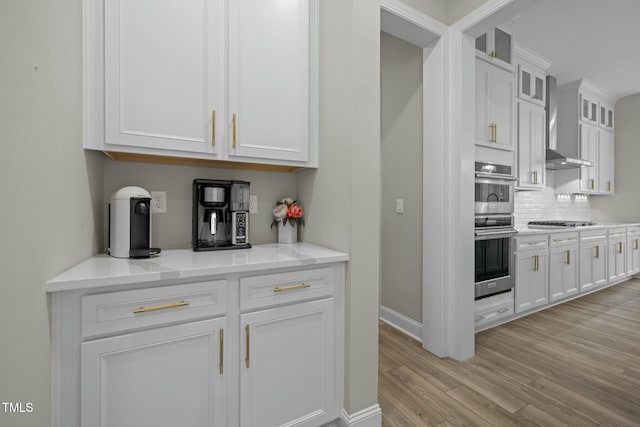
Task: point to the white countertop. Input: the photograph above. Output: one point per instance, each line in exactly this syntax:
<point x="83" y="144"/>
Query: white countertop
<point x="104" y="270"/>
<point x="525" y="231"/>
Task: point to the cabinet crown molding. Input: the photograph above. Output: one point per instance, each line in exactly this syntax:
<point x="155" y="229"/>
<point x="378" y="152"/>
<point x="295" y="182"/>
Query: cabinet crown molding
<point x="584" y="85"/>
<point x="532" y="57"/>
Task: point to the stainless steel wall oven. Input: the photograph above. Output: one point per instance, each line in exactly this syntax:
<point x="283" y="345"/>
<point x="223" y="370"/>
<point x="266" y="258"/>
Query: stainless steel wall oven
<point x="494" y="230"/>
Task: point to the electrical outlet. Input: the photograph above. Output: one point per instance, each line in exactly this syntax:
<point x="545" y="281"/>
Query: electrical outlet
<point x="253" y="204"/>
<point x="158" y="202"/>
<point x="399" y="206"/>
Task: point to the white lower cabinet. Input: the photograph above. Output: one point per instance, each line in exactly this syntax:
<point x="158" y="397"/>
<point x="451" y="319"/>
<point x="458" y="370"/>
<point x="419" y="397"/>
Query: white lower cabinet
<point x="532" y="279"/>
<point x="563" y="266"/>
<point x="256" y="348"/>
<point x="617" y="254"/>
<point x="593" y="259"/>
<point x="633" y="251"/>
<point x="288" y="372"/>
<point x="167" y="376"/>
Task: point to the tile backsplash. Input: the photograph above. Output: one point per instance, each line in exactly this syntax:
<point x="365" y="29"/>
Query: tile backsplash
<point x="541" y="205"/>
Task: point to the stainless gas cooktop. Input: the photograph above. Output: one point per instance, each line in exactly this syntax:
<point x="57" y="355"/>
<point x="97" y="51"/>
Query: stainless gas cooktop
<point x="559" y="224"/>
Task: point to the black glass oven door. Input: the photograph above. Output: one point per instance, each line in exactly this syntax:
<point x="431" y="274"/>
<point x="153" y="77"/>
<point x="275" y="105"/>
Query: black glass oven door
<point x="492" y="258"/>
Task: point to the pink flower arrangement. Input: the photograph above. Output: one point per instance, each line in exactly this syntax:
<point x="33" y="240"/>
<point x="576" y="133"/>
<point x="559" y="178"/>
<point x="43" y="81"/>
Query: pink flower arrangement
<point x="286" y="211"/>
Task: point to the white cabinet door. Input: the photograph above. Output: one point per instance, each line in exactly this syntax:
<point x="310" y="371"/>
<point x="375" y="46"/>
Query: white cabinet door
<point x="589" y="137"/>
<point x="563" y="272"/>
<point x="531" y="84"/>
<point x="496" y="46"/>
<point x="532" y="286"/>
<point x="288" y="373"/>
<point x="605" y="162"/>
<point x="161" y="74"/>
<point x="494" y="106"/>
<point x="633" y="255"/>
<point x="171" y="376"/>
<point x="593" y="265"/>
<point x="588" y="108"/>
<point x="531" y="146"/>
<point x="269" y="79"/>
<point x="617" y="260"/>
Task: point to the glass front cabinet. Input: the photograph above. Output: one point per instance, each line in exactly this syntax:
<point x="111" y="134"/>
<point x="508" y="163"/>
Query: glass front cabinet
<point x="496" y="46"/>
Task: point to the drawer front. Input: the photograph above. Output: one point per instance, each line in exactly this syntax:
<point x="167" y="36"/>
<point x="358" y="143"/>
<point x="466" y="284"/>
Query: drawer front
<point x="272" y="289"/>
<point x="127" y="310"/>
<point x="594" y="235"/>
<point x="617" y="233"/>
<point x="535" y="242"/>
<point x="564" y="239"/>
<point x="633" y="231"/>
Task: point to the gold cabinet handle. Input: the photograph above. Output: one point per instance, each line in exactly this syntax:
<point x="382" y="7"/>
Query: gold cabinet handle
<point x="235" y="119"/>
<point x="568" y="261"/>
<point x="494" y="132"/>
<point x="593" y="183"/>
<point x="608" y="185"/>
<point x="619" y="247"/>
<point x="636" y="243"/>
<point x="213" y="128"/>
<point x="535" y="177"/>
<point x="247" y="349"/>
<point x="598" y="251"/>
<point x="291" y="288"/>
<point x="535" y="263"/>
<point x="160" y="307"/>
<point x="221" y="351"/>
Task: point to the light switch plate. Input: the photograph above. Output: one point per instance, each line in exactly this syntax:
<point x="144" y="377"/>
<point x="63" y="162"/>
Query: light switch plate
<point x="399" y="206"/>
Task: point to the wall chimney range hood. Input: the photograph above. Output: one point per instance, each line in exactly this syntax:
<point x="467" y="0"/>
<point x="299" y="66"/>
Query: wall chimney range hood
<point x="557" y="160"/>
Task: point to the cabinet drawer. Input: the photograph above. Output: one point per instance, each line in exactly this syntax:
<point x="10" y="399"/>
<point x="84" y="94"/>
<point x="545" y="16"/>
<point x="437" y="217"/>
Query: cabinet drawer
<point x="563" y="239"/>
<point x="593" y="235"/>
<point x="271" y="289"/>
<point x="633" y="231"/>
<point x="126" y="310"/>
<point x="493" y="308"/>
<point x="618" y="233"/>
<point x="535" y="242"/>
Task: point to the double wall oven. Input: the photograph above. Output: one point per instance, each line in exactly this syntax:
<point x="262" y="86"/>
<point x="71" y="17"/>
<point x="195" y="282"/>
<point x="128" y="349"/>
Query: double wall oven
<point x="494" y="229"/>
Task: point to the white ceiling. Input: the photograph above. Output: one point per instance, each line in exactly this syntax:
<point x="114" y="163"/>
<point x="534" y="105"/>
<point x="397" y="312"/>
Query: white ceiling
<point x="598" y="40"/>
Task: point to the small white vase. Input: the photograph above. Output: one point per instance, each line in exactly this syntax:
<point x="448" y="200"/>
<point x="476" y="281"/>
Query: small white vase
<point x="287" y="233"/>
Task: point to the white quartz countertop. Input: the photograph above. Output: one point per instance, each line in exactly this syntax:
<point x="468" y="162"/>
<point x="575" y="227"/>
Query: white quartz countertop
<point x="525" y="231"/>
<point x="104" y="270"/>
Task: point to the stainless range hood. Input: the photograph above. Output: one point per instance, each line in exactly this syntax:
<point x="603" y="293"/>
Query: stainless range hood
<point x="557" y="160"/>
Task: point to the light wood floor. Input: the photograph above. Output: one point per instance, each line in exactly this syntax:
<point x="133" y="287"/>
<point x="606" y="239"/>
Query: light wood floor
<point x="576" y="364"/>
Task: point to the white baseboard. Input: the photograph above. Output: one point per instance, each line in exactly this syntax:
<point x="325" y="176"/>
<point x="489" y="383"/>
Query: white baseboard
<point x="401" y="322"/>
<point x="368" y="417"/>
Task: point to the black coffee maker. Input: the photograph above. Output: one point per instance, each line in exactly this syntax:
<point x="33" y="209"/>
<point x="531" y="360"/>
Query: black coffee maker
<point x="220" y="215"/>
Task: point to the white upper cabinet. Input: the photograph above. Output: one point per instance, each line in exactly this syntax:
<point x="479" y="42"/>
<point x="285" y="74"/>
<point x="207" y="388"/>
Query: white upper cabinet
<point x="531" y="146"/>
<point x="213" y="80"/>
<point x="161" y="74"/>
<point x="588" y="108"/>
<point x="269" y="79"/>
<point x="496" y="46"/>
<point x="494" y="107"/>
<point x="606" y="116"/>
<point x="531" y="75"/>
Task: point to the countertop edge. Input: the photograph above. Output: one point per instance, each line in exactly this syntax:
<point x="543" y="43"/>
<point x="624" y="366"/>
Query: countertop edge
<point x="71" y="279"/>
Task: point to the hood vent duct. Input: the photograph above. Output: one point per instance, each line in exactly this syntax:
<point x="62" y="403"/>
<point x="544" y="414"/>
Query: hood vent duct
<point x="557" y="160"/>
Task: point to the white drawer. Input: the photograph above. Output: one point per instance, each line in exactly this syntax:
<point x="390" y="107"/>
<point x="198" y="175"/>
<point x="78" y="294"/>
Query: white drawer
<point x="564" y="239"/>
<point x="491" y="309"/>
<point x="534" y="242"/>
<point x="272" y="289"/>
<point x="125" y="310"/>
<point x="593" y="235"/>
<point x="633" y="231"/>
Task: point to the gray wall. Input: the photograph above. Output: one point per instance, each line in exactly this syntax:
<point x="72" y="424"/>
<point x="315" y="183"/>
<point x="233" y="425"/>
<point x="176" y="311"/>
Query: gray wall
<point x="342" y="197"/>
<point x="173" y="229"/>
<point x="446" y="11"/>
<point x="625" y="204"/>
<point x="51" y="189"/>
<point x="401" y="139"/>
<point x="457" y="9"/>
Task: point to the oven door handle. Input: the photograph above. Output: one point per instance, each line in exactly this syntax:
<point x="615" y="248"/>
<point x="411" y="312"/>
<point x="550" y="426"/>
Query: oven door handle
<point x="496" y="176"/>
<point x="494" y="234"/>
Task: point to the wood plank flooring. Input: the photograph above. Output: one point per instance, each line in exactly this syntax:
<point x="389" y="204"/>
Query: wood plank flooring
<point x="576" y="364"/>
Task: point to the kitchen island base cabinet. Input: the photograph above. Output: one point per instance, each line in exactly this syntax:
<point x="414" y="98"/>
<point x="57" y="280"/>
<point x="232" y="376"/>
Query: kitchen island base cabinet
<point x="617" y="254"/>
<point x="288" y="373"/>
<point x="633" y="251"/>
<point x="168" y="376"/>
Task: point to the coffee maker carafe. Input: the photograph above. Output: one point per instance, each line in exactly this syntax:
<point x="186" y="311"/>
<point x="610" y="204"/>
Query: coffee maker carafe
<point x="220" y="215"/>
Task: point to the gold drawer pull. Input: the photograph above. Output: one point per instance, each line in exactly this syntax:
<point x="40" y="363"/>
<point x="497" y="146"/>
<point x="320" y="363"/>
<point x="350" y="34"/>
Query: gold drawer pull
<point x="235" y="119"/>
<point x="291" y="288"/>
<point x="568" y="257"/>
<point x="160" y="307"/>
<point x="213" y="128"/>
